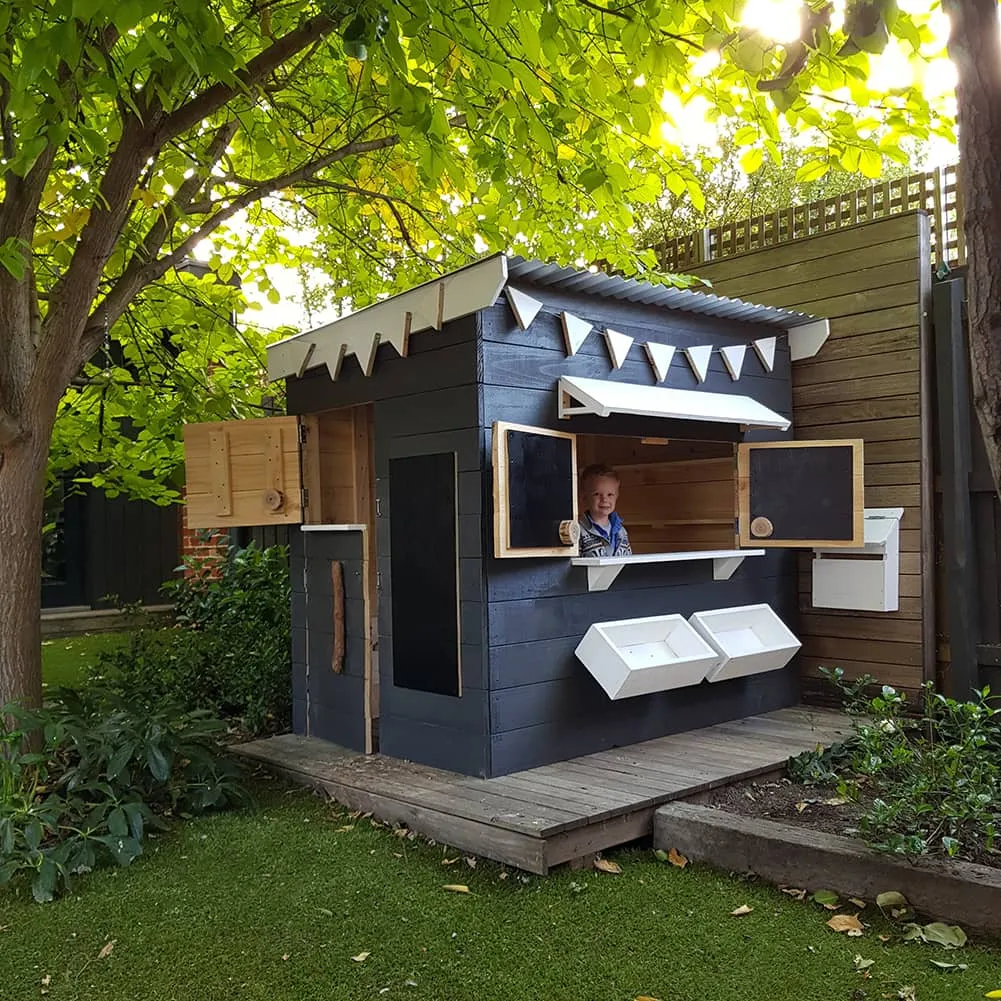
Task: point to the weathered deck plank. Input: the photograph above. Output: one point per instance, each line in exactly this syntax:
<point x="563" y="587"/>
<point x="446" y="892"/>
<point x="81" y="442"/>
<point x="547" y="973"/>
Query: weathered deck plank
<point x="544" y="816"/>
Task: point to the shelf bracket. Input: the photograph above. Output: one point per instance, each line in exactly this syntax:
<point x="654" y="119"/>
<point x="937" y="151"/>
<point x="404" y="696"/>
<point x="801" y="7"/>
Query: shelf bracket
<point x="725" y="567"/>
<point x="600" y="578"/>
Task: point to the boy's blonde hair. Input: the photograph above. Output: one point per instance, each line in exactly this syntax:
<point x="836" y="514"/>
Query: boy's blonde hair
<point x="595" y="471"/>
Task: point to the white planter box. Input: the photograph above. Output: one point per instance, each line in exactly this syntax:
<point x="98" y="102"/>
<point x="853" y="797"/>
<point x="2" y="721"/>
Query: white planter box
<point x="750" y="639"/>
<point x="640" y="656"/>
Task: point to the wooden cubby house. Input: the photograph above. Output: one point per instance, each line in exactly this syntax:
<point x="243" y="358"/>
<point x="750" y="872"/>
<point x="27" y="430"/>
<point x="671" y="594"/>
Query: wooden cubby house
<point x="441" y="613"/>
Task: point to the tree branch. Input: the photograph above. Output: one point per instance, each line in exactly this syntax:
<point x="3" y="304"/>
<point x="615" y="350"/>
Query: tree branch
<point x="259" y="68"/>
<point x="122" y="293"/>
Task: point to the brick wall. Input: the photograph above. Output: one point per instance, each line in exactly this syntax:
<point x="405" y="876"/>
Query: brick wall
<point x="202" y="543"/>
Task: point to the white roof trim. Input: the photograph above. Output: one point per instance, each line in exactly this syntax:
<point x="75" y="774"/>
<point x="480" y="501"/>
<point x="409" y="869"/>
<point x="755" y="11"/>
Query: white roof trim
<point x="428" y="306"/>
<point x="596" y="396"/>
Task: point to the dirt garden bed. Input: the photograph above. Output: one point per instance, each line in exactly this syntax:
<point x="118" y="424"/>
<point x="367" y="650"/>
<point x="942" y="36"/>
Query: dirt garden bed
<point x="815" y="808"/>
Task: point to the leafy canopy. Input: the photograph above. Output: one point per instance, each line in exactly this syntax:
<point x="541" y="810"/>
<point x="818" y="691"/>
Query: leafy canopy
<point x="401" y="137"/>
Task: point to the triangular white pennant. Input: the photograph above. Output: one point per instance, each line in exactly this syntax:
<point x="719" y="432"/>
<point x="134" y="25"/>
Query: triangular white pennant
<point x="660" y="356"/>
<point x="698" y="358"/>
<point x="575" y="331"/>
<point x="525" y="308"/>
<point x="764" y="348"/>
<point x="733" y="358"/>
<point x="618" y="346"/>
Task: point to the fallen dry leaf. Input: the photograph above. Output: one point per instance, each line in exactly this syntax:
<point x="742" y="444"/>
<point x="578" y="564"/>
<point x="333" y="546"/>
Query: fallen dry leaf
<point x="846" y="923"/>
<point x="860" y="904"/>
<point x="346" y="827"/>
<point x="644" y="997"/>
<point x="361" y="957"/>
<point x="606" y="865"/>
<point x="794" y="893"/>
<point x="456" y="888"/>
<point x="883" y="938"/>
<point x="503" y="875"/>
<point x="450" y="861"/>
<point x="401" y="832"/>
<point x="285" y="957"/>
<point x="471" y="862"/>
<point x="801" y="806"/>
<point x="47" y="979"/>
<point x="836" y="801"/>
<point x="107" y="949"/>
<point x="676" y="858"/>
<point x="741" y="911"/>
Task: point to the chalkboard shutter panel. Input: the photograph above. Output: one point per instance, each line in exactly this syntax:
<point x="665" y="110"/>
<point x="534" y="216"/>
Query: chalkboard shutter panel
<point x="801" y="494"/>
<point x="251" y="473"/>
<point x="535" y="491"/>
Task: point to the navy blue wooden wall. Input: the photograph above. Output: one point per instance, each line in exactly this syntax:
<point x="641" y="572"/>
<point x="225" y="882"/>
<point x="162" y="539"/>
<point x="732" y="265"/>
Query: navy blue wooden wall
<point x="544" y="705"/>
<point x="425" y="404"/>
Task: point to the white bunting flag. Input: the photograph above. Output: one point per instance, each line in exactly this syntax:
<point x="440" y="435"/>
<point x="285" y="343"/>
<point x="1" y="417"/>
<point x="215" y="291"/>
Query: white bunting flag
<point x="618" y="346"/>
<point x="733" y="358"/>
<point x="660" y="357"/>
<point x="525" y="308"/>
<point x="698" y="358"/>
<point x="765" y="350"/>
<point x="575" y="331"/>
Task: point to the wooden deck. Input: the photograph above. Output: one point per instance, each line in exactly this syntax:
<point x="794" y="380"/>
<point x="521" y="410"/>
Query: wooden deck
<point x="542" y="817"/>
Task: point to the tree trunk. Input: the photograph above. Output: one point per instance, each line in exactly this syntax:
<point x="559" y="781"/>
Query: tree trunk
<point x="975" y="48"/>
<point x="22" y="493"/>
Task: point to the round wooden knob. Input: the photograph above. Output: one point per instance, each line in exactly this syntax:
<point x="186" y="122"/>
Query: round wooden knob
<point x="569" y="533"/>
<point x="761" y="528"/>
<point x="274" y="500"/>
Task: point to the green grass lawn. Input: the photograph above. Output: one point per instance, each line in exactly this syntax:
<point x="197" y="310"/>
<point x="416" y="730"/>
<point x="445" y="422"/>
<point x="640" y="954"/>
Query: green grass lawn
<point x="67" y="662"/>
<point x="298" y="901"/>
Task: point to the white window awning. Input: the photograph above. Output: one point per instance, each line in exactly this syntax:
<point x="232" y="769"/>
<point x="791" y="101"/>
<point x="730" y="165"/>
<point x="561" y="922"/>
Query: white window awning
<point x="596" y="396"/>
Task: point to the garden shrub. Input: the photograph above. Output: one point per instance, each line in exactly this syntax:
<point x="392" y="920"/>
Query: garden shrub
<point x="230" y="651"/>
<point x="105" y="771"/>
<point x="929" y="782"/>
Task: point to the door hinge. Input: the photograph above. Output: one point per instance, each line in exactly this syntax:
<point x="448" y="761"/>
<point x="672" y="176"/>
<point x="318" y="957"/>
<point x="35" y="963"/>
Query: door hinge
<point x="305" y="497"/>
<point x="303" y="432"/>
<point x="378" y="507"/>
<point x="378" y="580"/>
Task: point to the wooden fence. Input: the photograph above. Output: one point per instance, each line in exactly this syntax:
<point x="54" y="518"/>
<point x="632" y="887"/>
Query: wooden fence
<point x="936" y="192"/>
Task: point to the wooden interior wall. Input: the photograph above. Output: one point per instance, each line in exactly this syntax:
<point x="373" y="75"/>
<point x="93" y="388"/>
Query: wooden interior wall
<point x="346" y="466"/>
<point x="872" y="283"/>
<point x="673" y="498"/>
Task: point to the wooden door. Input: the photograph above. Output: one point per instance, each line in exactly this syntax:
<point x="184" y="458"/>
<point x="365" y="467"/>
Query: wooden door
<point x="248" y="473"/>
<point x="801" y="494"/>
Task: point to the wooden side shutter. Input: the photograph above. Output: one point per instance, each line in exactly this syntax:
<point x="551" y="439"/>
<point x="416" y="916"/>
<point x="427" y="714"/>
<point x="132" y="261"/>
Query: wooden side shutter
<point x="243" y="473"/>
<point x="535" y="491"/>
<point x="801" y="494"/>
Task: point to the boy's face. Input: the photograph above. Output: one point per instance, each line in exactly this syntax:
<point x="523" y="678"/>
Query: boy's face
<point x="602" y="494"/>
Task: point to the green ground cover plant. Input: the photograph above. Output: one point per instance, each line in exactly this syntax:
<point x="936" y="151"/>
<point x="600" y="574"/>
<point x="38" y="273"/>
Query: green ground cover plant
<point x="230" y="650"/>
<point x="929" y="781"/>
<point x="83" y="779"/>
<point x="301" y="900"/>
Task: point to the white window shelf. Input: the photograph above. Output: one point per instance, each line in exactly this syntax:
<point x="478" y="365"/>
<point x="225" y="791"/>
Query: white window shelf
<point x="602" y="570"/>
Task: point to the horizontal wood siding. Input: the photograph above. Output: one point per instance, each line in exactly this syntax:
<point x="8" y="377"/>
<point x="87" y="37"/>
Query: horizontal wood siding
<point x="423" y="404"/>
<point x="544" y="706"/>
<point x="866" y="381"/>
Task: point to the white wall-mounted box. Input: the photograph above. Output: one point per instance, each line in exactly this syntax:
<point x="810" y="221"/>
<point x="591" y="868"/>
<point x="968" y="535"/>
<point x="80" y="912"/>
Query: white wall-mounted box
<point x="866" y="579"/>
<point x="641" y="656"/>
<point x="750" y="639"/>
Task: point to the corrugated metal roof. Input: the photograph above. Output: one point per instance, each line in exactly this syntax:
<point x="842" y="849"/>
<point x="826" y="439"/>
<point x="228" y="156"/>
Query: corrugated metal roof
<point x="645" y="293"/>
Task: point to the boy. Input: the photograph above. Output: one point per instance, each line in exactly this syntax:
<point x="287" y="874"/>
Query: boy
<point x="601" y="530"/>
